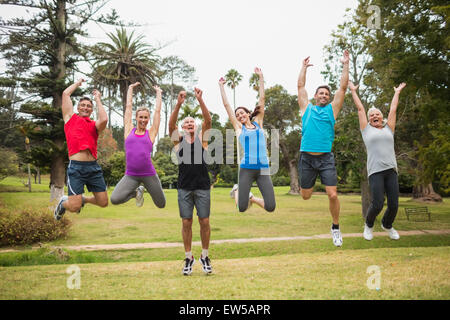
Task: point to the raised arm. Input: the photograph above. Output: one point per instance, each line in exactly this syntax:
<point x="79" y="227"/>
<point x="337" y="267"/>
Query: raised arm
<point x="302" y="94"/>
<point x="128" y="116"/>
<point x="339" y="96"/>
<point x="173" y="129"/>
<point x="361" y="112"/>
<point x="67" y="105"/>
<point x="392" y="117"/>
<point x="236" y="125"/>
<point x="262" y="98"/>
<point x="102" y="117"/>
<point x="207" y="121"/>
<point x="157" y="115"/>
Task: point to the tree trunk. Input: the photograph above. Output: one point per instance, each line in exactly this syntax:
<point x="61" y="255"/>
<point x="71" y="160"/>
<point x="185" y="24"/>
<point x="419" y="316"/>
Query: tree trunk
<point x="425" y="192"/>
<point x="38" y="170"/>
<point x="29" y="177"/>
<point x="57" y="169"/>
<point x="293" y="175"/>
<point x="365" y="192"/>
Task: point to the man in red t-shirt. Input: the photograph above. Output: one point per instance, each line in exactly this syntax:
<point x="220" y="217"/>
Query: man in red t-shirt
<point x="81" y="135"/>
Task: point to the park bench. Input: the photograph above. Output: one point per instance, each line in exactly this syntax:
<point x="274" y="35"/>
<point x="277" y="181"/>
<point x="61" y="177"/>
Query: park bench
<point x="419" y="211"/>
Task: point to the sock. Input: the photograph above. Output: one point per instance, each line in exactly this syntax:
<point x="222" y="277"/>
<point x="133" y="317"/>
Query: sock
<point x="335" y="226"/>
<point x="188" y="255"/>
<point x="204" y="253"/>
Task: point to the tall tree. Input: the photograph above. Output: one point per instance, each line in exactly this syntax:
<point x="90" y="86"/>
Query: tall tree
<point x="233" y="77"/>
<point x="351" y="35"/>
<point x="282" y="114"/>
<point x="51" y="34"/>
<point x="412" y="46"/>
<point x="127" y="59"/>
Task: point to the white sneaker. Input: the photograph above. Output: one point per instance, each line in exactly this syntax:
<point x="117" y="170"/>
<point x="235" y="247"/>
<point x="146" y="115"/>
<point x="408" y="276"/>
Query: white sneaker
<point x="235" y="187"/>
<point x="140" y="196"/>
<point x="250" y="195"/>
<point x="337" y="237"/>
<point x="393" y="234"/>
<point x="367" y="234"/>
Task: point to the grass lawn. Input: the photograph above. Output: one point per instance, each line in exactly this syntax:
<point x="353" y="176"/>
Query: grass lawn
<point x="415" y="267"/>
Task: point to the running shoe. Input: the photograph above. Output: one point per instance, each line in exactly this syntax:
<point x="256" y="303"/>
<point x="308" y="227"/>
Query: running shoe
<point x="250" y="195"/>
<point x="393" y="234"/>
<point x="232" y="192"/>
<point x="206" y="265"/>
<point x="337" y="237"/>
<point x="140" y="196"/>
<point x="188" y="264"/>
<point x="60" y="210"/>
<point x="367" y="234"/>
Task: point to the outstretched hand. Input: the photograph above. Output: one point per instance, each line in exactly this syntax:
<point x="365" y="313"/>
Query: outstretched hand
<point x="96" y="94"/>
<point x="222" y="81"/>
<point x="346" y="58"/>
<point x="352" y="87"/>
<point x="198" y="93"/>
<point x="306" y="63"/>
<point x="157" y="89"/>
<point x="80" y="81"/>
<point x="181" y="97"/>
<point x="134" y="85"/>
<point x="400" y="87"/>
<point x="258" y="71"/>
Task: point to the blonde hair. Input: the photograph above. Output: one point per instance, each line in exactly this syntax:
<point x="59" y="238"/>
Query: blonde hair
<point x="376" y="109"/>
<point x="142" y="109"/>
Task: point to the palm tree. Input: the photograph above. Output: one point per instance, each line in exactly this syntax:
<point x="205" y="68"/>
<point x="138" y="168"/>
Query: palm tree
<point x="232" y="79"/>
<point x="187" y="111"/>
<point x="254" y="82"/>
<point x="124" y="61"/>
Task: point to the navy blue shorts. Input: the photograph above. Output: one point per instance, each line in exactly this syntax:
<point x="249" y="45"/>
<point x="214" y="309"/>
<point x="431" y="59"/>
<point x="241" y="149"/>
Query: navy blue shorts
<point x="309" y="166"/>
<point x="84" y="173"/>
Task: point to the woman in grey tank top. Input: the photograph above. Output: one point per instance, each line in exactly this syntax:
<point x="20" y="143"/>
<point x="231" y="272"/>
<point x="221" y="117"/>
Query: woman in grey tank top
<point x="378" y="137"/>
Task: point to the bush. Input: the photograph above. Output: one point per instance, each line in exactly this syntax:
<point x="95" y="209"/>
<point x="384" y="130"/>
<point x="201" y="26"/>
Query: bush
<point x="281" y="181"/>
<point x="29" y="226"/>
<point x="114" y="168"/>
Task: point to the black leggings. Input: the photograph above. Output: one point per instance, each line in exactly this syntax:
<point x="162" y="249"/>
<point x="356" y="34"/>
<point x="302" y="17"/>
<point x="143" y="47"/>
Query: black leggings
<point x="381" y="182"/>
<point x="246" y="178"/>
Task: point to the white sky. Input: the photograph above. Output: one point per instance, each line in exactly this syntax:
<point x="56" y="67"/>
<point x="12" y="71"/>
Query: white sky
<point x="214" y="36"/>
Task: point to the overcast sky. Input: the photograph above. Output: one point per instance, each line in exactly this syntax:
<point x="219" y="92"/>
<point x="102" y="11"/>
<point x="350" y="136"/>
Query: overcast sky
<point x="215" y="36"/>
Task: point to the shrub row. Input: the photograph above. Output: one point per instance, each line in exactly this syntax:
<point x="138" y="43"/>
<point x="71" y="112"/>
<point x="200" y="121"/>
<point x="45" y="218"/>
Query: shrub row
<point x="28" y="226"/>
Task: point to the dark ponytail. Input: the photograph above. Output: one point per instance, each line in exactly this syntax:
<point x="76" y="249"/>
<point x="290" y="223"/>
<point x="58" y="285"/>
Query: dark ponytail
<point x="252" y="114"/>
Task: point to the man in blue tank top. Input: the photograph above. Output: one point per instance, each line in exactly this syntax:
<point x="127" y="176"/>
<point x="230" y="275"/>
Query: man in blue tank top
<point x="316" y="157"/>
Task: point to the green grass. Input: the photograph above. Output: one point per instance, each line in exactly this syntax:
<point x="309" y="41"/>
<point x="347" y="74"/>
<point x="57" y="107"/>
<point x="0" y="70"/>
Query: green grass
<point x="413" y="273"/>
<point x="415" y="267"/>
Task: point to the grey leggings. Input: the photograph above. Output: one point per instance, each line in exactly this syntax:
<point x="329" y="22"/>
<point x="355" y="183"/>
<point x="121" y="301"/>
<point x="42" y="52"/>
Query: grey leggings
<point x="246" y="178"/>
<point x="126" y="189"/>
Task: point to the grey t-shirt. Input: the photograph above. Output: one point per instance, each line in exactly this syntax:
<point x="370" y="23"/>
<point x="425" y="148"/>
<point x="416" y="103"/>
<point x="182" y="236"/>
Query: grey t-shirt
<point x="380" y="149"/>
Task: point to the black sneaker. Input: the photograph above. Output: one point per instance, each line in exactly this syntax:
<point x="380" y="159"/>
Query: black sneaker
<point x="60" y="210"/>
<point x="188" y="263"/>
<point x="206" y="264"/>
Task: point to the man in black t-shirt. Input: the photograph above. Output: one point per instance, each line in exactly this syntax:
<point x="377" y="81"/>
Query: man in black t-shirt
<point x="194" y="187"/>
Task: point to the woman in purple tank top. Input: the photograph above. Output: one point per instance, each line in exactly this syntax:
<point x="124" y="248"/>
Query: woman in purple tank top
<point x="138" y="150"/>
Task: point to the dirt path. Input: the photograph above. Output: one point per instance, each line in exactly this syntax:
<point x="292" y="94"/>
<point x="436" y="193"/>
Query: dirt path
<point x="155" y="245"/>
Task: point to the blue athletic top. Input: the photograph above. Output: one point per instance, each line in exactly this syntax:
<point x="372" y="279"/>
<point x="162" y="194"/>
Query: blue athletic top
<point x="317" y="128"/>
<point x="253" y="142"/>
